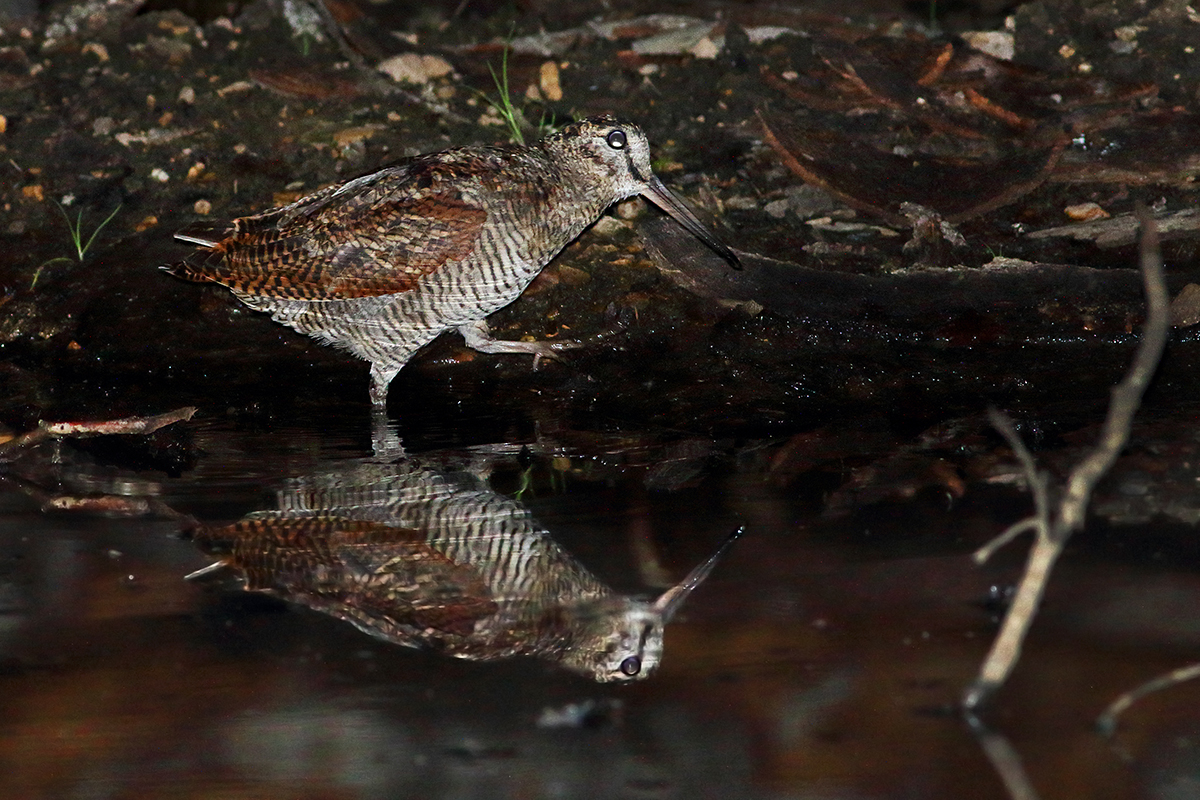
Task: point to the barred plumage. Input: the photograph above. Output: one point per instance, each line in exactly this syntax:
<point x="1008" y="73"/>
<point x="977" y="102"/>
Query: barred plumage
<point x="382" y="264"/>
<point x="412" y="556"/>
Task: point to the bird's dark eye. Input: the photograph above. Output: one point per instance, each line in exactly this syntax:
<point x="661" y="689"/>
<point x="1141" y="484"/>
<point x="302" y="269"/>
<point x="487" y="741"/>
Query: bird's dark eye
<point x="632" y="665"/>
<point x="616" y="140"/>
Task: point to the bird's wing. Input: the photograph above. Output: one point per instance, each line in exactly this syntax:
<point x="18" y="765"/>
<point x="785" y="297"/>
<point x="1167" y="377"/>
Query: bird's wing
<point x="387" y="580"/>
<point x="373" y="236"/>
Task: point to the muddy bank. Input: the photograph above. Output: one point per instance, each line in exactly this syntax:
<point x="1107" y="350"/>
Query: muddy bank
<point x="158" y="120"/>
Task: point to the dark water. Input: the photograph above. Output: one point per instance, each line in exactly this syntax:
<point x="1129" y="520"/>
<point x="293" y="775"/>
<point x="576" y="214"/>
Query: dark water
<point x="823" y="658"/>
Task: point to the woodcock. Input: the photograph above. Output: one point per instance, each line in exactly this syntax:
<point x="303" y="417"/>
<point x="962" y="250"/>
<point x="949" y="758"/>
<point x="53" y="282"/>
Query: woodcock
<point x="383" y="264"/>
<point x="441" y="562"/>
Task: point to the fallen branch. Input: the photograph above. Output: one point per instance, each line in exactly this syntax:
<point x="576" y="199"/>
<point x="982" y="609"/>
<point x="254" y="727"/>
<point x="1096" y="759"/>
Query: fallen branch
<point x="1053" y="526"/>
<point x="126" y="425"/>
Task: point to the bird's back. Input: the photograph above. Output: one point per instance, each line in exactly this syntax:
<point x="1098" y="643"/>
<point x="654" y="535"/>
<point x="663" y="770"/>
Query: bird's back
<point x="378" y="234"/>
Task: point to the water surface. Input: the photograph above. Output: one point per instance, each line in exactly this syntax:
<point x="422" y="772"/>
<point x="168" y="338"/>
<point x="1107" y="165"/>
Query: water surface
<point x="822" y="658"/>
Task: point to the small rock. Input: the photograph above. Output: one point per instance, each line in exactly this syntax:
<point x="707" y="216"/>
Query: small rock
<point x="632" y="208"/>
<point x="777" y="209"/>
<point x="678" y="40"/>
<point x="187" y="95"/>
<point x="1129" y="33"/>
<point x="741" y="202"/>
<point x="202" y="207"/>
<point x="490" y="117"/>
<point x="159" y="174"/>
<point x="548" y="81"/>
<point x="546" y="279"/>
<point x="1086" y="212"/>
<point x="96" y="49"/>
<point x="765" y="33"/>
<point x="705" y="48"/>
<point x="103" y="126"/>
<point x="349" y="136"/>
<point x="997" y="44"/>
<point x="414" y="68"/>
<point x="810" y="201"/>
<point x="573" y="276"/>
<point x="608" y="226"/>
<point x="236" y="86"/>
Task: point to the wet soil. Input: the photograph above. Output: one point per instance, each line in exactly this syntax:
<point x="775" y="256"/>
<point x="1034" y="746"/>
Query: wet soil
<point x="829" y="397"/>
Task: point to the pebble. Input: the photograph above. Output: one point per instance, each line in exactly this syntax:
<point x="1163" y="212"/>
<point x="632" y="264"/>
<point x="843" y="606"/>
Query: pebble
<point x="742" y="202"/>
<point x="997" y="44"/>
<point x="415" y="68"/>
<point x="548" y="81"/>
<point x="607" y="226"/>
<point x="777" y="209"/>
<point x="705" y="48"/>
<point x="1086" y="212"/>
<point x="632" y="208"/>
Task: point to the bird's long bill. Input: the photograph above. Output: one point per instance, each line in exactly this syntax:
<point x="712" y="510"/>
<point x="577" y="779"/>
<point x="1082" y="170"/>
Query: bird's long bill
<point x="662" y="197"/>
<point x="672" y="599"/>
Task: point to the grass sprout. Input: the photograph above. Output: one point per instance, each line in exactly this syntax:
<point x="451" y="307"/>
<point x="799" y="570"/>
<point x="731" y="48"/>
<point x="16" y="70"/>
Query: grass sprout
<point x="511" y="115"/>
<point x="76" y="230"/>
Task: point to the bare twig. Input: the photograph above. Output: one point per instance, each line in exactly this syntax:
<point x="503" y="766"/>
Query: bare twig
<point x="1016" y="529"/>
<point x="1107" y="722"/>
<point x="1005" y="760"/>
<point x="1053" y="526"/>
<point x="1039" y="486"/>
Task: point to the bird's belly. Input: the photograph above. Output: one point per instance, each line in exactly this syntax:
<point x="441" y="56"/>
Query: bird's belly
<point x="392" y="327"/>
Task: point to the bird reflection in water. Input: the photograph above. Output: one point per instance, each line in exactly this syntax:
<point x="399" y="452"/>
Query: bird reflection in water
<point x="429" y="560"/>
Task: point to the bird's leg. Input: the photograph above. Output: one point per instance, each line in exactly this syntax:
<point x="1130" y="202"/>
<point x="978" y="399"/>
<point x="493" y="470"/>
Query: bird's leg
<point x="478" y="337"/>
<point x="381" y="378"/>
<point x="385" y="436"/>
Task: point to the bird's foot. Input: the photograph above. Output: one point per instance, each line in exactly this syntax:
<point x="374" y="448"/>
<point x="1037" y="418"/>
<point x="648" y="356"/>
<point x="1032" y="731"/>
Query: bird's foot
<point x="478" y="337"/>
<point x="555" y="351"/>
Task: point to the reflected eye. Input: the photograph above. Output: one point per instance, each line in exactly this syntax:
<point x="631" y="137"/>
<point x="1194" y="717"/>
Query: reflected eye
<point x="632" y="665"/>
<point x="616" y="140"/>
